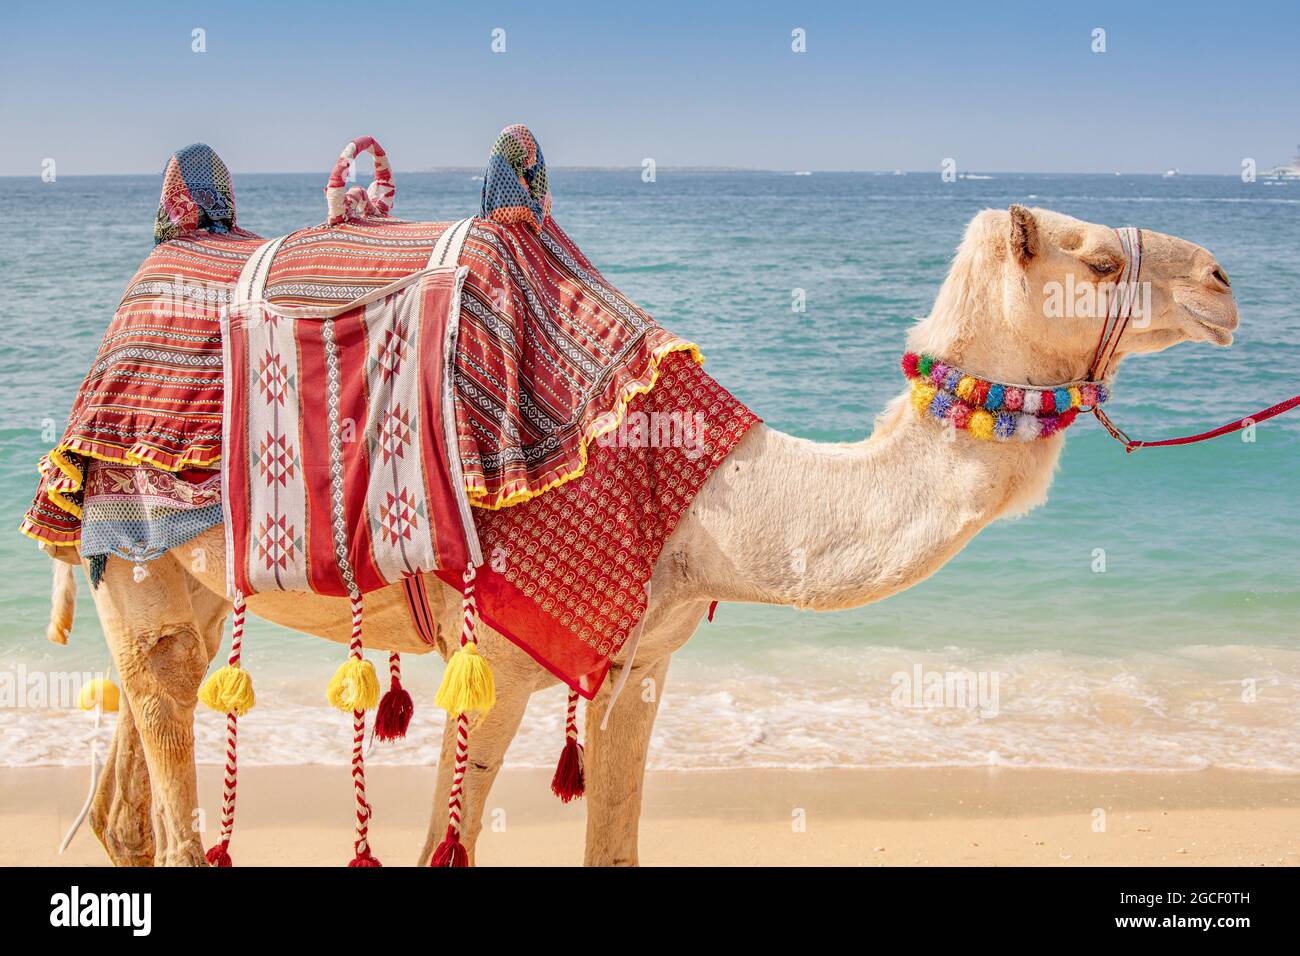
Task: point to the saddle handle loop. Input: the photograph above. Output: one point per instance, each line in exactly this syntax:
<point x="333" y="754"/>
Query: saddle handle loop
<point x="342" y="203"/>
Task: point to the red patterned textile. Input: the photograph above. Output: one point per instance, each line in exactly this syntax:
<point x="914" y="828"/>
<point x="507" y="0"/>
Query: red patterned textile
<point x="549" y="358"/>
<point x="549" y="354"/>
<point x="564" y="574"/>
<point x="339" y="430"/>
<point x="153" y="394"/>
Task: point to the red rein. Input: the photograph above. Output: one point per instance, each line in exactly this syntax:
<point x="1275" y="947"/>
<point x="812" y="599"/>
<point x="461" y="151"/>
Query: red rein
<point x="1131" y="445"/>
<point x="1113" y="329"/>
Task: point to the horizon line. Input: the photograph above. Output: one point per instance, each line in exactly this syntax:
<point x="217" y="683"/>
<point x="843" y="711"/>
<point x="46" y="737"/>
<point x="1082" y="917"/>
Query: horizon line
<point x="689" y="168"/>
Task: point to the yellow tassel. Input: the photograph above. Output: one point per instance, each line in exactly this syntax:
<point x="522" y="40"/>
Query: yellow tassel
<point x="228" y="690"/>
<point x="467" y="683"/>
<point x="99" y="692"/>
<point x="966" y="388"/>
<point x="1076" y="396"/>
<point x="354" y="686"/>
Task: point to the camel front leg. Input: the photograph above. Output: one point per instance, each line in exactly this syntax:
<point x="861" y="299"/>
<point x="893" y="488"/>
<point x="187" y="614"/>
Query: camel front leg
<point x="615" y="762"/>
<point x="516" y="676"/>
<point x="160" y="642"/>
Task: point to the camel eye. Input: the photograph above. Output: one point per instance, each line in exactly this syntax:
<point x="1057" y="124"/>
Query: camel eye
<point x="1103" y="268"/>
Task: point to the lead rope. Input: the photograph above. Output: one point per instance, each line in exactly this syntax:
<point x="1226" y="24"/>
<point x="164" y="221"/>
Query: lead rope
<point x="1118" y="315"/>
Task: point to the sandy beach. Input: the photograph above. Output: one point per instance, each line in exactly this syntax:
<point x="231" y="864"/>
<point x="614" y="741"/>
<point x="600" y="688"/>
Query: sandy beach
<point x="969" y="817"/>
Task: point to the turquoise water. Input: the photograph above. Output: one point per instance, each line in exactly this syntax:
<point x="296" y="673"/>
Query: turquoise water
<point x="1140" y="666"/>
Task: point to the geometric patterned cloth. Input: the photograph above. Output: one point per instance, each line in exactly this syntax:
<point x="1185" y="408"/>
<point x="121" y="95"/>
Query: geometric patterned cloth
<point x="548" y="352"/>
<point x="549" y="358"/>
<point x="197" y="193"/>
<point x="515" y="185"/>
<point x="153" y="393"/>
<point x="138" y="512"/>
<point x="565" y="574"/>
<point x="338" y="432"/>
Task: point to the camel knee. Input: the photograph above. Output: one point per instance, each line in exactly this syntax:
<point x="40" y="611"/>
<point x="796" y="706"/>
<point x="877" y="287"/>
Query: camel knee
<point x="161" y="670"/>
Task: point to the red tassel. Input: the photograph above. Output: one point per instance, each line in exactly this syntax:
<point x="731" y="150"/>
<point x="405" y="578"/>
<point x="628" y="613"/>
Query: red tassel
<point x="394" y="714"/>
<point x="219" y="854"/>
<point x="569" y="781"/>
<point x="451" y="852"/>
<point x="364" y="859"/>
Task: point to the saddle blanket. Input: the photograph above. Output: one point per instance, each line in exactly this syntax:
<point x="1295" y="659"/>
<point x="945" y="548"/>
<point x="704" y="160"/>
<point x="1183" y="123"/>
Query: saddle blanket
<point x="565" y="574"/>
<point x="552" y="365"/>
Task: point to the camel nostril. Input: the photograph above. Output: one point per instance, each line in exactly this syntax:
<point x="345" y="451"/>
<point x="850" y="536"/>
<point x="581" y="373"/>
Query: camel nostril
<point x="1221" y="277"/>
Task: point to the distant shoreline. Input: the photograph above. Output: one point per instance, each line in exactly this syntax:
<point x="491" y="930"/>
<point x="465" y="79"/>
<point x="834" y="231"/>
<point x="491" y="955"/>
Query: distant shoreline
<point x="478" y="170"/>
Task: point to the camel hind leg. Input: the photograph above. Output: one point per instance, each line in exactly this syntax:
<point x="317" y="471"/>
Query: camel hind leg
<point x="163" y="630"/>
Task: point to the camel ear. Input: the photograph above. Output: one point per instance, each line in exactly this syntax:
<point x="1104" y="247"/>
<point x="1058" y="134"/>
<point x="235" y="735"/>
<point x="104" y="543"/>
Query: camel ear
<point x="1024" y="234"/>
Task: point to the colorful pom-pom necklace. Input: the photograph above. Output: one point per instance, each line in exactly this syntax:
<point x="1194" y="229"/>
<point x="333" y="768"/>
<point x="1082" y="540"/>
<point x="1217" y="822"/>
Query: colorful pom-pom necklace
<point x="991" y="411"/>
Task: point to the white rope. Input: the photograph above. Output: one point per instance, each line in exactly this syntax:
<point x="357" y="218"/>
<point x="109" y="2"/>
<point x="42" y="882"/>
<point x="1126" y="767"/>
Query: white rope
<point x="626" y="672"/>
<point x="95" y="768"/>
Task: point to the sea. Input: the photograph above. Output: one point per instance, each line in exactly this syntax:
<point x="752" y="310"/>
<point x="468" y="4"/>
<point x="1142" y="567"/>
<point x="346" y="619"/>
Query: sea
<point x="1146" y="618"/>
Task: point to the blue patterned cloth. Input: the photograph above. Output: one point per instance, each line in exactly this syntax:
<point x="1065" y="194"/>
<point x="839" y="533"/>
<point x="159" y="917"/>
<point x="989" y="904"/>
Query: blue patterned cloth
<point x="515" y="185"/>
<point x="197" y="193"/>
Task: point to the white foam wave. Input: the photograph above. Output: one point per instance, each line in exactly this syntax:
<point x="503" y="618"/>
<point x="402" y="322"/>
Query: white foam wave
<point x="1230" y="707"/>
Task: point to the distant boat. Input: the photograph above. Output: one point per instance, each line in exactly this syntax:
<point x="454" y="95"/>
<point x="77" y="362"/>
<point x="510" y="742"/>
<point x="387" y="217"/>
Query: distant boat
<point x="899" y="172"/>
<point x="803" y="172"/>
<point x="973" y="176"/>
<point x="1291" y="171"/>
<point x="1170" y="173"/>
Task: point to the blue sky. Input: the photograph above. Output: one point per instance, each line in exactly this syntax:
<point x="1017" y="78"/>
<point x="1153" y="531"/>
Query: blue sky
<point x="115" y="87"/>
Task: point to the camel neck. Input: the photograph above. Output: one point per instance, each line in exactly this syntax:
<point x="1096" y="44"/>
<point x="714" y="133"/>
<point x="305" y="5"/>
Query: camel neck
<point x="832" y="526"/>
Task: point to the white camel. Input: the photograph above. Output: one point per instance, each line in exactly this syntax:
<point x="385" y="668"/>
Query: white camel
<point x="871" y="518"/>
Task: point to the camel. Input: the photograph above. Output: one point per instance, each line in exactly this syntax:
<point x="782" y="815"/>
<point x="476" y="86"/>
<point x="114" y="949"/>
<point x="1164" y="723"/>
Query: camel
<point x="867" y="520"/>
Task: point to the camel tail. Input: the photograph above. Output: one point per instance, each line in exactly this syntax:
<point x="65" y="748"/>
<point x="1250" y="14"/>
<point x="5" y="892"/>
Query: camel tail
<point x="63" y="602"/>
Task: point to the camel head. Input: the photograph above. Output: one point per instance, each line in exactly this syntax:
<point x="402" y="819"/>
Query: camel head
<point x="1029" y="290"/>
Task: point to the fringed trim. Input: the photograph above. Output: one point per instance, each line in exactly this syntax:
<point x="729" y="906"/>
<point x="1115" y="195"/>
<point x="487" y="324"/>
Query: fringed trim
<point x="517" y="492"/>
<point x="73" y="475"/>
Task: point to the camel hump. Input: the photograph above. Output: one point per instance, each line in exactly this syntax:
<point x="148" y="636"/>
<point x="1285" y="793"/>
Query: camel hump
<point x="197" y="193"/>
<point x="515" y="184"/>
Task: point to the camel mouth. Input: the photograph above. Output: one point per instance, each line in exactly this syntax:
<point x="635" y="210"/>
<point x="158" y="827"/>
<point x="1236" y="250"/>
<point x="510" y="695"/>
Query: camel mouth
<point x="1218" y="324"/>
<point x="1221" y="335"/>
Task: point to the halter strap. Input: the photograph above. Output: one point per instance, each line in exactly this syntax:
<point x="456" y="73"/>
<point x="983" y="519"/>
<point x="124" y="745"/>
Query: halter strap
<point x="1120" y="307"/>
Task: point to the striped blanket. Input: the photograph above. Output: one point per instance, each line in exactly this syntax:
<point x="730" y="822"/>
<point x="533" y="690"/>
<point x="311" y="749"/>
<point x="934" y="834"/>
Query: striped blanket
<point x="550" y="357"/>
<point x="549" y="354"/>
<point x="341" y="473"/>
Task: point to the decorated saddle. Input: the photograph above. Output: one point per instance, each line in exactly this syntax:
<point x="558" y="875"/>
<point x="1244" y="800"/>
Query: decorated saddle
<point x="385" y="398"/>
